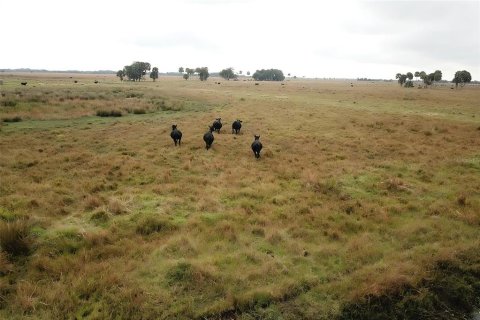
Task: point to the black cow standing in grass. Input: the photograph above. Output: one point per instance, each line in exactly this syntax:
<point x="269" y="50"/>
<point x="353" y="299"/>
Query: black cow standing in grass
<point x="217" y="124"/>
<point x="176" y="135"/>
<point x="208" y="137"/>
<point x="257" y="146"/>
<point x="23" y="83"/>
<point x="236" y="125"/>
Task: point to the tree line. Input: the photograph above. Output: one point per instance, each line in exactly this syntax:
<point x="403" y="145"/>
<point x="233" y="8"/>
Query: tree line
<point x="202" y="73"/>
<point x="461" y="77"/>
<point x="138" y="70"/>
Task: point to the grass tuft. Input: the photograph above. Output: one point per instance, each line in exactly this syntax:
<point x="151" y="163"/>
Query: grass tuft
<point x="14" y="237"/>
<point x="153" y="224"/>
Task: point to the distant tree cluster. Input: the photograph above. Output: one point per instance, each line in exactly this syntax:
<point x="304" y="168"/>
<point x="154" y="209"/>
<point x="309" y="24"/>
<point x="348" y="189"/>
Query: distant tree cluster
<point x="228" y="74"/>
<point x="406" y="79"/>
<point x="461" y="77"/>
<point x="136" y="71"/>
<point x="202" y="73"/>
<point x="268" y="75"/>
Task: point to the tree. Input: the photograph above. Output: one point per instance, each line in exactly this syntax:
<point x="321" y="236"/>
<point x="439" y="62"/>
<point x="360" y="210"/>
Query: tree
<point x="181" y="70"/>
<point x="401" y="78"/>
<point x="189" y="71"/>
<point x="417" y="74"/>
<point x="409" y="75"/>
<point x="137" y="70"/>
<point x="120" y="74"/>
<point x="268" y="75"/>
<point x="202" y="73"/>
<point x="154" y="74"/>
<point x="248" y="73"/>
<point x="425" y="78"/>
<point x="185" y="76"/>
<point x="437" y="75"/>
<point x="462" y="77"/>
<point x="240" y="72"/>
<point x="227" y="74"/>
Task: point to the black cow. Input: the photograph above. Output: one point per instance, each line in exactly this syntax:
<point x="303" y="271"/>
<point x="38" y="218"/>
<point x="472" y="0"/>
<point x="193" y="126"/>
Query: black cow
<point x="208" y="137"/>
<point x="236" y="125"/>
<point x="257" y="146"/>
<point x="23" y="83"/>
<point x="176" y="135"/>
<point x="217" y="124"/>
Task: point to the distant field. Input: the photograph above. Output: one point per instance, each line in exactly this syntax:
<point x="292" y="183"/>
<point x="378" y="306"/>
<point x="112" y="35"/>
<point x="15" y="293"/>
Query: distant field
<point x="365" y="200"/>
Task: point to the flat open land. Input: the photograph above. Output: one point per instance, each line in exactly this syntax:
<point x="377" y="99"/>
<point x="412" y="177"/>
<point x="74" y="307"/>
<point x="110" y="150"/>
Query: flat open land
<point x="365" y="200"/>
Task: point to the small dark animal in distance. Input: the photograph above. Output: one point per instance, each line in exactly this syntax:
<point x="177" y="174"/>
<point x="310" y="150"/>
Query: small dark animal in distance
<point x="257" y="147"/>
<point x="217" y="124"/>
<point x="208" y="137"/>
<point x="236" y="126"/>
<point x="75" y="81"/>
<point x="176" y="135"/>
<point x="256" y="83"/>
<point x="23" y="83"/>
<point x="96" y="81"/>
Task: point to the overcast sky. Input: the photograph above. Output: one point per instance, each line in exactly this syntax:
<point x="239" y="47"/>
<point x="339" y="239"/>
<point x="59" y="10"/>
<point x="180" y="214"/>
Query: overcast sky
<point x="374" y="39"/>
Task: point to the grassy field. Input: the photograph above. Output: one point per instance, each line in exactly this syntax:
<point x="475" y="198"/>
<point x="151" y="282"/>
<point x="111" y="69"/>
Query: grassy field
<point x="364" y="204"/>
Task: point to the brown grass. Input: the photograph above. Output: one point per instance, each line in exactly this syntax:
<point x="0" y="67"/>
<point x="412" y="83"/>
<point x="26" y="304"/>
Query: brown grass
<point x="348" y="199"/>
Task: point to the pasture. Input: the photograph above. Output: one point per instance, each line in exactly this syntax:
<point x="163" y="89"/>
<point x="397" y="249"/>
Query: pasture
<point x="362" y="195"/>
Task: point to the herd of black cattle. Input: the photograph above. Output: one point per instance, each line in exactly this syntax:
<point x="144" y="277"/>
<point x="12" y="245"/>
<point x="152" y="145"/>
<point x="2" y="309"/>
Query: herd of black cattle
<point x="208" y="136"/>
<point x="216" y="126"/>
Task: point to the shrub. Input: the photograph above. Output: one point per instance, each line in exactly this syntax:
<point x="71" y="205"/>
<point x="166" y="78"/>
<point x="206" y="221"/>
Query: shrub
<point x="111" y="113"/>
<point x="13" y="119"/>
<point x="14" y="238"/>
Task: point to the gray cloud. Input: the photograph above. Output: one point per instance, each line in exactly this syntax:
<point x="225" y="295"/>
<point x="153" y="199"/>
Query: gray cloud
<point x="408" y="32"/>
